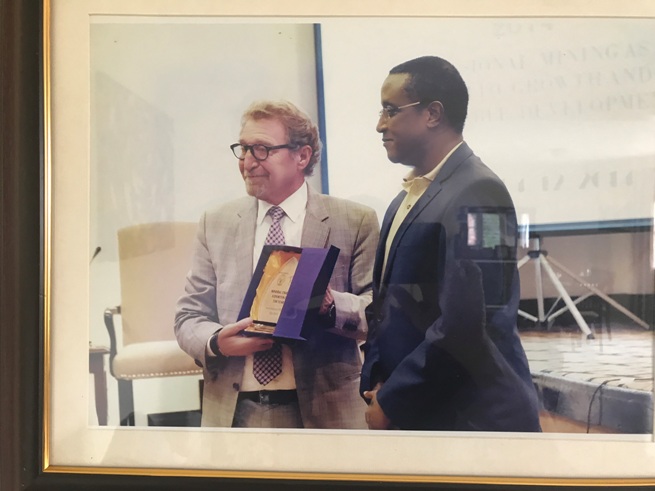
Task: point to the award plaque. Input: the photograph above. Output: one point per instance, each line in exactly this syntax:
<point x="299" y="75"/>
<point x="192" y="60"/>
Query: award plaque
<point x="287" y="289"/>
<point x="273" y="289"/>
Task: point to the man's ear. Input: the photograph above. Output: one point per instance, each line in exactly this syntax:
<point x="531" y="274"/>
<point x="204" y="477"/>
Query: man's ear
<point x="436" y="114"/>
<point x="305" y="154"/>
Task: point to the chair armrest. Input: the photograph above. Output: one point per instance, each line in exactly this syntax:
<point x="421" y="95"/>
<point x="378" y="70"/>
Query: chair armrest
<point x="109" y="324"/>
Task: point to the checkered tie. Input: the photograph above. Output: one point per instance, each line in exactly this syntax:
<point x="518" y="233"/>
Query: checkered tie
<point x="275" y="235"/>
<point x="268" y="364"/>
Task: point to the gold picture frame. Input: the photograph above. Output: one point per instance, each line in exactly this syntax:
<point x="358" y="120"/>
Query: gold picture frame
<point x="41" y="446"/>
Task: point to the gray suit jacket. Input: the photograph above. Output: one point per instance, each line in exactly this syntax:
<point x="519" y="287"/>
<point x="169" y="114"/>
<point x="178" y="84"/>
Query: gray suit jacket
<point x="327" y="366"/>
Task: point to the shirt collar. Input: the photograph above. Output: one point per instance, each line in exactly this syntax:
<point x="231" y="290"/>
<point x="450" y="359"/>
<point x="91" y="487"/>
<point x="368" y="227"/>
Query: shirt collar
<point x="293" y="206"/>
<point x="430" y="176"/>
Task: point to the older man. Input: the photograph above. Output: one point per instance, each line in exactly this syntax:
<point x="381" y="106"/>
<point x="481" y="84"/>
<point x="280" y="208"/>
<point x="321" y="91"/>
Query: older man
<point x="313" y="383"/>
<point x="443" y="351"/>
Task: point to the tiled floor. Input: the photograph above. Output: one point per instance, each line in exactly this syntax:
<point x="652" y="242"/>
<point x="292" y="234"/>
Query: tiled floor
<point x="607" y="380"/>
<point x="623" y="358"/>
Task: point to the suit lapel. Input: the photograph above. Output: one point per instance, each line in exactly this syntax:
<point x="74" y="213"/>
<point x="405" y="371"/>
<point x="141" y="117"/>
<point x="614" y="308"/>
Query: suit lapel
<point x="384" y="234"/>
<point x="430" y="193"/>
<point x="462" y="153"/>
<point x="315" y="230"/>
<point x="245" y="240"/>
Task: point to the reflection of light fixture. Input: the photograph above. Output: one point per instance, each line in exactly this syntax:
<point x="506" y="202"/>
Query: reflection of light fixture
<point x="524" y="230"/>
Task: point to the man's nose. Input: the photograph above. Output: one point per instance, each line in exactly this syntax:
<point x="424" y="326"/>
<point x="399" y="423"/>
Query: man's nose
<point x="249" y="161"/>
<point x="382" y="124"/>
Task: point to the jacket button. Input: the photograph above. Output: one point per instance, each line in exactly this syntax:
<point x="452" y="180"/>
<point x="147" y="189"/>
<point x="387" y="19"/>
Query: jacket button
<point x="236" y="386"/>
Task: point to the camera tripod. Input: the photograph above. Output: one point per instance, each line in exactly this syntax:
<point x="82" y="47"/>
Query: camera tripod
<point x="545" y="262"/>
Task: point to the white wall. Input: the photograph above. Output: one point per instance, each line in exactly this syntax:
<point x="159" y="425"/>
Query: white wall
<point x="166" y="104"/>
<point x="563" y="110"/>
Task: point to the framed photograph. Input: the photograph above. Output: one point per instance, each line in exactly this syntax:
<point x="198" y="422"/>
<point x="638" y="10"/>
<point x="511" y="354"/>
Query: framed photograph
<point x="122" y="113"/>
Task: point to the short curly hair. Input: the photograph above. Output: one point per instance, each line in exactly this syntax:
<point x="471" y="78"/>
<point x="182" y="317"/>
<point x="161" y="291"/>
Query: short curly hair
<point x="300" y="128"/>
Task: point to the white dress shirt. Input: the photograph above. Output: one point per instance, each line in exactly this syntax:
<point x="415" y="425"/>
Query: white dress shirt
<point x="295" y="209"/>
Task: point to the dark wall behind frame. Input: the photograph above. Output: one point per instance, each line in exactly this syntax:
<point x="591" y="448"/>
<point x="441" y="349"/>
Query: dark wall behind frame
<point x="19" y="242"/>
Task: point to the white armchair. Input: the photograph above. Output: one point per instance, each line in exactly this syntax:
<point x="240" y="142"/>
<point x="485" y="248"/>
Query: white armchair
<point x="154" y="259"/>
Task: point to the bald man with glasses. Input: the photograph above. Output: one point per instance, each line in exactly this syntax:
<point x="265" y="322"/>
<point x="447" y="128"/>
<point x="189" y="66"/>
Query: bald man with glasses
<point x="255" y="381"/>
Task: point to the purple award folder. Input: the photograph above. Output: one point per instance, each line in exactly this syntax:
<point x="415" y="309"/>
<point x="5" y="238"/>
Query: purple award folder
<point x="287" y="289"/>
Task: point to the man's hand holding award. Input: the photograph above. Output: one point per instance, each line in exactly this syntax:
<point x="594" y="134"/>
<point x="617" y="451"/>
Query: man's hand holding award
<point x="287" y="290"/>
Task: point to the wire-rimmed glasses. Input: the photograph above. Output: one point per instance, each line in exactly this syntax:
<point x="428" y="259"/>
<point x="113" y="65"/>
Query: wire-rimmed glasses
<point x="390" y="111"/>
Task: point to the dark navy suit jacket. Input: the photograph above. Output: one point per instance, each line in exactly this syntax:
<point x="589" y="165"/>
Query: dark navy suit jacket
<point x="442" y="325"/>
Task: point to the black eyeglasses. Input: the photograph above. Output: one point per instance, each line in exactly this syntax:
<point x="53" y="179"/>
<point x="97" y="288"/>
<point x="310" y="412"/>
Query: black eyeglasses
<point x="259" y="151"/>
<point x="390" y="111"/>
